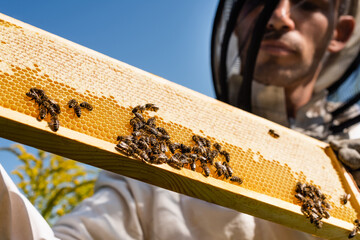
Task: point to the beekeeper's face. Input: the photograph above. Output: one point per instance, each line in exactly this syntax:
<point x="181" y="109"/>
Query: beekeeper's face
<point x="297" y="36"/>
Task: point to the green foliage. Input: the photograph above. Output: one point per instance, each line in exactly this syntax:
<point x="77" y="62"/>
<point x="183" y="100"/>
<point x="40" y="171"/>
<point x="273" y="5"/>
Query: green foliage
<point x="53" y="184"/>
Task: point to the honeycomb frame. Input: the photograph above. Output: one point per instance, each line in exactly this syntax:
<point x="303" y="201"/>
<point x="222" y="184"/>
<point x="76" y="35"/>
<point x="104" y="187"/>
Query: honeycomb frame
<point x="270" y="167"/>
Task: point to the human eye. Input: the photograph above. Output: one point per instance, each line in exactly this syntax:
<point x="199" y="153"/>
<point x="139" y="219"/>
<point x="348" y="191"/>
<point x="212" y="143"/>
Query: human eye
<point x="306" y="5"/>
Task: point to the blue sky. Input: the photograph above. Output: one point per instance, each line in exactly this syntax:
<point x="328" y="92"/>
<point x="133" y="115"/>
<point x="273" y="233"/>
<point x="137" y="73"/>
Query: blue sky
<point x="165" y="37"/>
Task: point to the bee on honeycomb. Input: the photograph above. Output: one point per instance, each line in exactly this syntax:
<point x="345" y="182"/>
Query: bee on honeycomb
<point x="273" y="133"/>
<point x="46" y="106"/>
<point x="345" y="198"/>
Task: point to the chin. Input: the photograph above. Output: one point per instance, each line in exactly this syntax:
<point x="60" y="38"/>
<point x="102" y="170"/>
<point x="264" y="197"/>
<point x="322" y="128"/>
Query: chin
<point x="279" y="78"/>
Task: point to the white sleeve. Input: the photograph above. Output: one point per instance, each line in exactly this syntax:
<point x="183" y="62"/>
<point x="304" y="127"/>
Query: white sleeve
<point x="124" y="208"/>
<point x="111" y="213"/>
<point x="18" y="217"/>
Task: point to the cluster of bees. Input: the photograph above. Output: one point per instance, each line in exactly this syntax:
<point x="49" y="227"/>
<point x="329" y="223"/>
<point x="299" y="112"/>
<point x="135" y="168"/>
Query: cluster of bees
<point x="46" y="106"/>
<point x="152" y="144"/>
<point x="313" y="202"/>
<point x="49" y="106"/>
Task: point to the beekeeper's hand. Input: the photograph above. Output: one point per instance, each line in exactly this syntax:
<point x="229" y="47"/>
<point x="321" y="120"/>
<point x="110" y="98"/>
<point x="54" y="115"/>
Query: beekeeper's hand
<point x="348" y="152"/>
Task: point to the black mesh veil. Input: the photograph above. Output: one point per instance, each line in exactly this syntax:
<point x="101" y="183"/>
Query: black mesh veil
<point x="226" y="48"/>
<point x="223" y="33"/>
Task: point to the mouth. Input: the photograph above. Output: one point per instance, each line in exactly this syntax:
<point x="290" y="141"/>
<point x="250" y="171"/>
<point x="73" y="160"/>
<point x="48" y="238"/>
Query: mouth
<point x="276" y="48"/>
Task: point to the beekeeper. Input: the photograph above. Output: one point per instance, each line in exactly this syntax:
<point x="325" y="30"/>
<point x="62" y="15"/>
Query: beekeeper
<point x="307" y="58"/>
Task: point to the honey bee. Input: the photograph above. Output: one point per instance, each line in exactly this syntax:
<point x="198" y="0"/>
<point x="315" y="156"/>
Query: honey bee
<point x="174" y="161"/>
<point x="46" y="107"/>
<point x="174" y="146"/>
<point x="152" y="130"/>
<point x="136" y="124"/>
<point x="219" y="169"/>
<point x="54" y="105"/>
<point x="142" y="154"/>
<point x="154" y="159"/>
<point x="163" y="157"/>
<point x="140" y="116"/>
<point x="345" y="198"/>
<point x="153" y="140"/>
<point x="192" y="157"/>
<point x="326" y="205"/>
<point x="226" y="155"/>
<point x="151" y="122"/>
<point x="86" y="105"/>
<point x="202" y="159"/>
<point x="144" y="146"/>
<point x="210" y="159"/>
<point x="206" y="142"/>
<point x="211" y="155"/>
<point x="236" y="179"/>
<point x="159" y="158"/>
<point x="77" y="110"/>
<point x="42" y="112"/>
<point x="228" y="168"/>
<point x="206" y="169"/>
<point x="137" y="133"/>
<point x="123" y="147"/>
<point x="54" y="123"/>
<point x="214" y="153"/>
<point x="217" y="147"/>
<point x="318" y="193"/>
<point x="38" y="91"/>
<point x="138" y="108"/>
<point x="119" y="138"/>
<point x="300" y="197"/>
<point x="317" y="204"/>
<point x="184" y="148"/>
<point x="199" y="149"/>
<point x="326" y="214"/>
<point x="305" y="211"/>
<point x="34" y="96"/>
<point x="74" y="104"/>
<point x="273" y="133"/>
<point x="197" y="140"/>
<point x="314" y="217"/>
<point x="318" y="223"/>
<point x="300" y="187"/>
<point x="151" y="107"/>
<point x="127" y="139"/>
<point x="314" y="210"/>
<point x="353" y="232"/>
<point x="145" y="138"/>
<point x="308" y="192"/>
<point x="185" y="160"/>
<point x="164" y="134"/>
<point x="162" y="146"/>
<point x="309" y="204"/>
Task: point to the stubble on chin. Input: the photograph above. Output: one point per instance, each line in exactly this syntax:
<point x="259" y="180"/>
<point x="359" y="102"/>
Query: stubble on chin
<point x="269" y="74"/>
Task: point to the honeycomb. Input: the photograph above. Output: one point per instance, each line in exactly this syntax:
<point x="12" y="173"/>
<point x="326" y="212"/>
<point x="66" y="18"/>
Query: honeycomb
<point x="30" y="57"/>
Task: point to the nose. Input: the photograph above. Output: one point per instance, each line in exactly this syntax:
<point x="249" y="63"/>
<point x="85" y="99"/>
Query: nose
<point x="281" y="19"/>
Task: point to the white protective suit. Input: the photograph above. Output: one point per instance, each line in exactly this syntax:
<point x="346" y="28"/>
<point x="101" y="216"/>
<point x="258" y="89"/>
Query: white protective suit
<point x="123" y="208"/>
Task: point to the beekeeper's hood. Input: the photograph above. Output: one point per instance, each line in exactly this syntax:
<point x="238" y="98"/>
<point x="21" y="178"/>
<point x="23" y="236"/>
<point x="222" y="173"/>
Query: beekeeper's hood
<point x="226" y="62"/>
